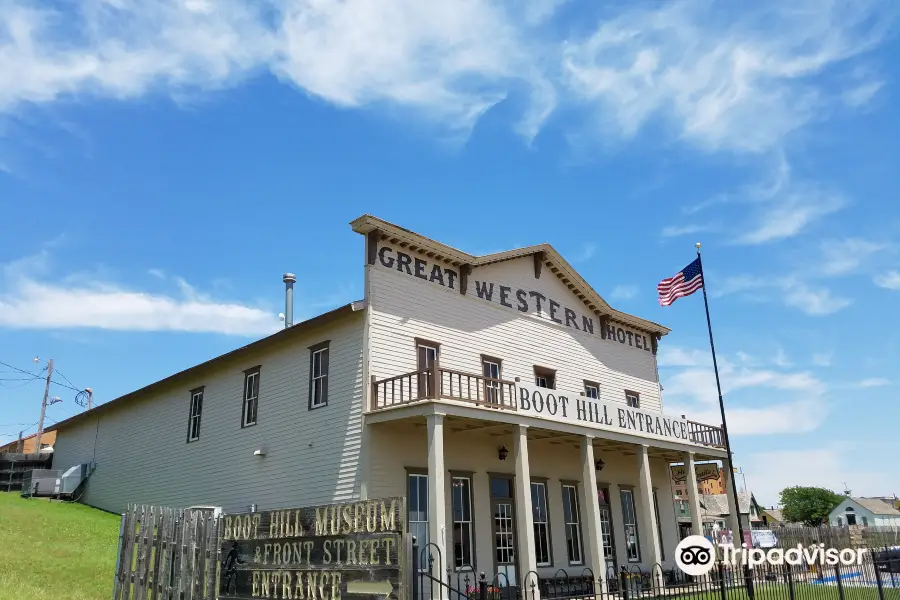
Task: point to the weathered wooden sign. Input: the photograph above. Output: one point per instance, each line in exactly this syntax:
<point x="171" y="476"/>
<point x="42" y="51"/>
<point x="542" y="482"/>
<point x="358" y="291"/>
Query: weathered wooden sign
<point x="355" y="550"/>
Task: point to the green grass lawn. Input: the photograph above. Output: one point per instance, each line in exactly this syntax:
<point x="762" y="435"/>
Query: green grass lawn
<point x="55" y="550"/>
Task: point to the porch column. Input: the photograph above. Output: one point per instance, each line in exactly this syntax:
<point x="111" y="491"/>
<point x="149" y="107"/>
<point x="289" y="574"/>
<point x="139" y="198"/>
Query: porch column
<point x="647" y="513"/>
<point x="733" y="514"/>
<point x="690" y="472"/>
<point x="437" y="501"/>
<point x="591" y="511"/>
<point x="524" y="516"/>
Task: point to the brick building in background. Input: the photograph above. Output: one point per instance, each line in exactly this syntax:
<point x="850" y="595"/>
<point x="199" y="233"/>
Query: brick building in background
<point x="48" y="438"/>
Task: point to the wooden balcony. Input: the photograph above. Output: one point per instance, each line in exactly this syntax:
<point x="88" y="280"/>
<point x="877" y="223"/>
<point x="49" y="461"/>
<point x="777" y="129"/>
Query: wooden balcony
<point x="437" y="383"/>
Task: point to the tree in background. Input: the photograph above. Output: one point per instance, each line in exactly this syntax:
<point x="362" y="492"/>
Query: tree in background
<point x="808" y="505"/>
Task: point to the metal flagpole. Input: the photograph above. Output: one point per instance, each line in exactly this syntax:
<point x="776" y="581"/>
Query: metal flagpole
<point x="712" y="346"/>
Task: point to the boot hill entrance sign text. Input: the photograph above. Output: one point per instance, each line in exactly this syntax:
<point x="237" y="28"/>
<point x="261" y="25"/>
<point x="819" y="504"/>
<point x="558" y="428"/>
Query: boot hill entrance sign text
<point x="348" y="551"/>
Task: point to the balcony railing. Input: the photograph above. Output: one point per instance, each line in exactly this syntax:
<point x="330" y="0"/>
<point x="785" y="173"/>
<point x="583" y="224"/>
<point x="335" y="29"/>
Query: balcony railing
<point x="450" y="385"/>
<point x="708" y="435"/>
<point x="437" y="383"/>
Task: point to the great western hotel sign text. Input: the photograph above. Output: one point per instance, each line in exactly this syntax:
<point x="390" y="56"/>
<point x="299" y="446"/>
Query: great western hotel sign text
<point x="525" y="301"/>
<point x="354" y="550"/>
<point x="611" y="416"/>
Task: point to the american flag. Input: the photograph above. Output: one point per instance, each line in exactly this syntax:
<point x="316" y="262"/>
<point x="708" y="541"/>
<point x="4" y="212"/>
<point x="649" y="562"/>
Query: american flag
<point x="686" y="282"/>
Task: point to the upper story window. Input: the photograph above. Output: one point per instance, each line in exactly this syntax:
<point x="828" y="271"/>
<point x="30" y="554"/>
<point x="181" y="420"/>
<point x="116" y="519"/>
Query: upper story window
<point x="194" y="415"/>
<point x="427" y="353"/>
<point x="633" y="399"/>
<point x="490" y="368"/>
<point x="545" y="378"/>
<point x="592" y="389"/>
<point x="318" y="375"/>
<point x="251" y="397"/>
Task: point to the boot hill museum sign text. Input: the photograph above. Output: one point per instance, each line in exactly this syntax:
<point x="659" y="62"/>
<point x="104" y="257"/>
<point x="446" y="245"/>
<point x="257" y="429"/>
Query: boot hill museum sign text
<point x="525" y="301"/>
<point x="352" y="551"/>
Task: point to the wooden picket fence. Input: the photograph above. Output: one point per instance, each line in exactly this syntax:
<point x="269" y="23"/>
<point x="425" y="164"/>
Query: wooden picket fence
<point x="167" y="554"/>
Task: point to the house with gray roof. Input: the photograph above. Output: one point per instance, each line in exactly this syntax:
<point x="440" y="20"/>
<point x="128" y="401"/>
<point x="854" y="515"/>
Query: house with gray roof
<point x="867" y="512"/>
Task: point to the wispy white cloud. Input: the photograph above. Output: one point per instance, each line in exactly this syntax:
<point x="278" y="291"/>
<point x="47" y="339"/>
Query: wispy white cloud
<point x="813" y="300"/>
<point x="28" y="302"/>
<point x="781" y="358"/>
<point x="724" y="80"/>
<point x="861" y="95"/>
<point x="791" y="215"/>
<point x="889" y="280"/>
<point x="677" y="231"/>
<point x="840" y="257"/>
<point x="587" y="252"/>
<point x="623" y="292"/>
<point x="690" y="388"/>
<point x="874" y="382"/>
<point x="739" y="83"/>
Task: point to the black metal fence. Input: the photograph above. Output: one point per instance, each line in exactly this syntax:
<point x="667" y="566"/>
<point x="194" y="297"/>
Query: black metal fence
<point x="875" y="576"/>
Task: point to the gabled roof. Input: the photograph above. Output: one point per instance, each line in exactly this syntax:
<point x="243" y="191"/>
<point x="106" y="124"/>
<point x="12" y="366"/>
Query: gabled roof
<point x="877" y="506"/>
<point x="774" y="513"/>
<point x="717" y="504"/>
<point x="546" y="253"/>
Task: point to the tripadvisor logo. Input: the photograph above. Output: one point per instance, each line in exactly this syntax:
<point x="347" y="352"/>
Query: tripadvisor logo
<point x="696" y="555"/>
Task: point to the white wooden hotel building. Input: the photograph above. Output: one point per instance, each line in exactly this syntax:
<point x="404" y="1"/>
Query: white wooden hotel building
<point x="519" y="413"/>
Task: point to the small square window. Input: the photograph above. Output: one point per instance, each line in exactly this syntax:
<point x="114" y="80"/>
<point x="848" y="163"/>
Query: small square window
<point x="592" y="389"/>
<point x="545" y="378"/>
<point x="633" y="399"/>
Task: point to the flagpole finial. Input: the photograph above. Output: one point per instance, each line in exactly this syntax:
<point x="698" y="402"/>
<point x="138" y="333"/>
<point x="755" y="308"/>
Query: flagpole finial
<point x="698" y="246"/>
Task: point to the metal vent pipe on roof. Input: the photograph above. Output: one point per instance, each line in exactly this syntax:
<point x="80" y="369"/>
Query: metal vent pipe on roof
<point x="289" y="280"/>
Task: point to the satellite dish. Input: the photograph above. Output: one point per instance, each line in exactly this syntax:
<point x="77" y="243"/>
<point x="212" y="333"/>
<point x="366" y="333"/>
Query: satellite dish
<point x="281" y="316"/>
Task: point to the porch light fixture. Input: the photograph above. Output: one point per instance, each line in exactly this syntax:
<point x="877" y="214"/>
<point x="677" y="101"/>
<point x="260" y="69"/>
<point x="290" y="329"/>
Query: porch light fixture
<point x="599" y="464"/>
<point x="502" y="453"/>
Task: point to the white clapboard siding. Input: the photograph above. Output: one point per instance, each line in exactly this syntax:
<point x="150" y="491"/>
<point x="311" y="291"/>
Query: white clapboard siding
<point x="142" y="455"/>
<point x="397" y="448"/>
<point x="405" y="307"/>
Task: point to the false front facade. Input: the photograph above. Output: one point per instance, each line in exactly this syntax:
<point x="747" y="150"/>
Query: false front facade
<point x="517" y="411"/>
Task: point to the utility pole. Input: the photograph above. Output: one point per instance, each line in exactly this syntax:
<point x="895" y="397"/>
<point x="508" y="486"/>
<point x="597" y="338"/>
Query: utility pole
<point x="20" y="446"/>
<point x="37" y="438"/>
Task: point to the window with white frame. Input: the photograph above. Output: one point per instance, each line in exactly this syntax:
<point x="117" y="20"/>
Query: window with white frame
<point x="573" y="524"/>
<point x="629" y="522"/>
<point x="195" y="413"/>
<point x="633" y="399"/>
<point x="541" y="523"/>
<point x="417" y="502"/>
<point x="318" y="375"/>
<point x="463" y="539"/>
<point x="251" y="397"/>
<point x="592" y="389"/>
<point x="545" y="378"/>
<point x="490" y="368"/>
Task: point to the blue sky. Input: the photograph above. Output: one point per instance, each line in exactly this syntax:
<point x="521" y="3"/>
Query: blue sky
<point x="161" y="164"/>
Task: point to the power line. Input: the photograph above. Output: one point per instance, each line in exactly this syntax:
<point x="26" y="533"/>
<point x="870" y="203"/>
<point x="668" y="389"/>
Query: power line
<point x="58" y="372"/>
<point x="22" y="370"/>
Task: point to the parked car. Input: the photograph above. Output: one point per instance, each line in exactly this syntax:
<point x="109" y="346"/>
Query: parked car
<point x="763" y="538"/>
<point x="888" y="560"/>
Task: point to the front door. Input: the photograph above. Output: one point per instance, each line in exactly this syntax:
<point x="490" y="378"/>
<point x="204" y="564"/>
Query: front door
<point x="606" y="530"/>
<point x="504" y="526"/>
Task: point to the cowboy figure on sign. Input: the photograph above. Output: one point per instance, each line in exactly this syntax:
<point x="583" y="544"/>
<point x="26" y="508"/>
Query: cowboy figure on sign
<point x="230" y="564"/>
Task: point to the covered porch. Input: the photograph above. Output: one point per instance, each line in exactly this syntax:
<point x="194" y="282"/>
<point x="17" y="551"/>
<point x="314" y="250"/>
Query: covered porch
<point x="529" y="503"/>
